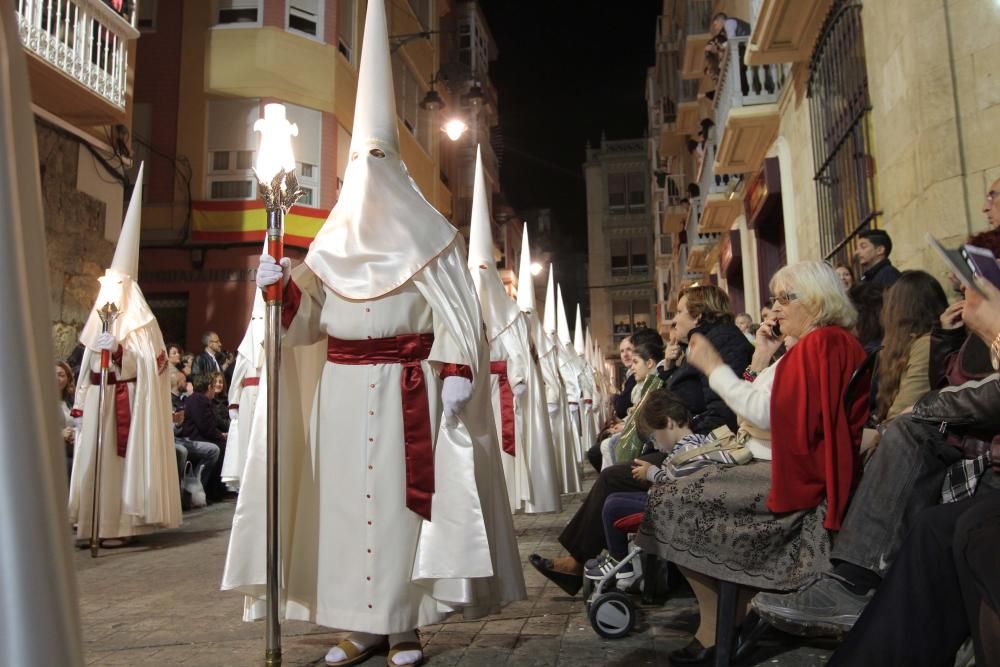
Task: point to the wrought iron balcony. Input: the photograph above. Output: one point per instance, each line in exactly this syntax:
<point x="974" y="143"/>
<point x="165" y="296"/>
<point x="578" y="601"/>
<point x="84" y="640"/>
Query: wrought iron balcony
<point x="86" y="40"/>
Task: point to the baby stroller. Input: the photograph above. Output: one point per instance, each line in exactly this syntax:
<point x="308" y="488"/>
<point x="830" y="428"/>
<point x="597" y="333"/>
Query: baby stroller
<point x="611" y="612"/>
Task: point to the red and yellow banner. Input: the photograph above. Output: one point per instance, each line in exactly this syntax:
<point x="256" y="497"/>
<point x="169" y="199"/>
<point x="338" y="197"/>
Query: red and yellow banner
<point x="246" y="221"/>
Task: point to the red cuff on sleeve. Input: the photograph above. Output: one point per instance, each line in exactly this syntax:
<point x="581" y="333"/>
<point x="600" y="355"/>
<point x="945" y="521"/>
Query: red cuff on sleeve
<point x="76" y="412"/>
<point x="461" y="370"/>
<point x="117" y="356"/>
<point x="291" y="299"/>
<point x="234" y="406"/>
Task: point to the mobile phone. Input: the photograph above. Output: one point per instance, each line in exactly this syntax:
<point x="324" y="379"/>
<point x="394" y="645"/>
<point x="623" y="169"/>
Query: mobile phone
<point x="982" y="262"/>
<point x="776" y="329"/>
<point x="956" y="262"/>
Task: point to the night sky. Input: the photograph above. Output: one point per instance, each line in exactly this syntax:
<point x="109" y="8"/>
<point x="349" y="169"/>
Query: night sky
<point x="565" y="72"/>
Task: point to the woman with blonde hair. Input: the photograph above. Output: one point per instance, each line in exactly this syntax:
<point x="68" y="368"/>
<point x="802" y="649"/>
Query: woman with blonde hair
<point x="765" y="524"/>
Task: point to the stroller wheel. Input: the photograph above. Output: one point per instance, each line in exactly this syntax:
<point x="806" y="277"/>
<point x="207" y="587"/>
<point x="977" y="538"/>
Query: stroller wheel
<point x="612" y="615"/>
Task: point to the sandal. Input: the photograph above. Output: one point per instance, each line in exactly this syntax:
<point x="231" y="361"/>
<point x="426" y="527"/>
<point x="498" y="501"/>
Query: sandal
<point x="405" y="646"/>
<point x="353" y="653"/>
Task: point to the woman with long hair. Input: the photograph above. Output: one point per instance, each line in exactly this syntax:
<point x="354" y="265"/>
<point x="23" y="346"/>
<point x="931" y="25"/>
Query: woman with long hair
<point x="67" y="392"/>
<point x="912" y="308"/>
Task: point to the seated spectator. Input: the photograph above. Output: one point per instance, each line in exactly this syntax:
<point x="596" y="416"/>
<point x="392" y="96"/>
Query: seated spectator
<point x="956" y="355"/>
<point x="712" y="523"/>
<point x="743" y="323"/>
<point x="178" y="389"/>
<point x="67" y="393"/>
<point x="846" y="275"/>
<point x="873" y="250"/>
<point x="647" y="354"/>
<point x="867" y="299"/>
<point x="912" y="307"/>
<point x="945" y="585"/>
<point x="701" y="310"/>
<point x="175" y="355"/>
<point x="622" y="401"/>
<point x="187" y="364"/>
<point x="220" y="401"/>
<point x="667" y="419"/>
<point x="200" y="427"/>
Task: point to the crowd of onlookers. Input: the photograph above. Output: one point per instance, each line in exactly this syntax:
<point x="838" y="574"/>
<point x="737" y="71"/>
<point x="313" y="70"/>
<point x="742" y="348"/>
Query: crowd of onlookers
<point x="836" y="460"/>
<point x="199" y="385"/>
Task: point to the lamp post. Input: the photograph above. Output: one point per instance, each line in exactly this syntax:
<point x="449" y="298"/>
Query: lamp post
<point x="280" y="190"/>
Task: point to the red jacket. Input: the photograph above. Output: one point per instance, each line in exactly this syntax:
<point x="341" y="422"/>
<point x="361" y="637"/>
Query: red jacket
<point x="814" y="436"/>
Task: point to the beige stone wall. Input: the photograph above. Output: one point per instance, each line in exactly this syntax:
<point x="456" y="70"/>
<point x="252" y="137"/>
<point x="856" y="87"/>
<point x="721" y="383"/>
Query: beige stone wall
<point x="934" y="118"/>
<point x="74" y="228"/>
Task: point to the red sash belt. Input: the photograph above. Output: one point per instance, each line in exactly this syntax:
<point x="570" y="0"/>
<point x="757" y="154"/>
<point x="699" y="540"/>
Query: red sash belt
<point x="407" y="350"/>
<point x="123" y="408"/>
<point x="506" y="407"/>
<point x="250" y="382"/>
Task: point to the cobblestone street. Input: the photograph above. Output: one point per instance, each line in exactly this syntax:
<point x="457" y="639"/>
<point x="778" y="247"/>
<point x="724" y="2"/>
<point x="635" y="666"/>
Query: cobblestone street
<point x="158" y="603"/>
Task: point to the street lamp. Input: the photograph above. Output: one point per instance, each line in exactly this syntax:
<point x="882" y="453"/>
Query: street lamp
<point x="280" y="190"/>
<point x="455" y="128"/>
<point x="536" y="268"/>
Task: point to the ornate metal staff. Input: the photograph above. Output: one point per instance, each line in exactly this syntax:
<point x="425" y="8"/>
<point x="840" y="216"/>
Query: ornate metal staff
<point x="280" y="190"/>
<point x="108" y="312"/>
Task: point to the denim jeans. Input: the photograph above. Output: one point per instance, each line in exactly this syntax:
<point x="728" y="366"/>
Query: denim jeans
<point x="201" y="453"/>
<point x="903" y="477"/>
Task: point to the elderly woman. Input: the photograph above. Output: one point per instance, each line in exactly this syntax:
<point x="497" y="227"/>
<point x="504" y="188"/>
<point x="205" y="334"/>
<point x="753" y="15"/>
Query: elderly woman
<point x="765" y="524"/>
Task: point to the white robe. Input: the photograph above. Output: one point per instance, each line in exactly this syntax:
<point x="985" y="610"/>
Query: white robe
<point x="244" y="398"/>
<point x="355" y="558"/>
<point x="564" y="444"/>
<point x="139" y="493"/>
<point x="570" y="373"/>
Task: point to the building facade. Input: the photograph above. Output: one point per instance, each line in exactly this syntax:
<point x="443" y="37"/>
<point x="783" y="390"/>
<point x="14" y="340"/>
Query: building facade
<point x="620" y="236"/>
<point x="205" y="71"/>
<point x="818" y="120"/>
<point x="81" y="63"/>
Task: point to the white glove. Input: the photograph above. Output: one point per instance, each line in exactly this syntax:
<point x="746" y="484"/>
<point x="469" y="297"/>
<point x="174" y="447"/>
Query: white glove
<point x="455" y="393"/>
<point x="78" y="423"/>
<point x="106" y="341"/>
<point x="233" y="414"/>
<point x="519" y="389"/>
<point x="269" y="271"/>
<point x="553" y="408"/>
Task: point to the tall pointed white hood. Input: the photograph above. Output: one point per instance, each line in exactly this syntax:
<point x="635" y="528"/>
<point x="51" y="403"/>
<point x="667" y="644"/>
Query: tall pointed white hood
<point x="589" y="344"/>
<point x="382" y="229"/>
<point x="562" y="324"/>
<point x="40" y="621"/>
<point x="253" y="338"/>
<point x="498" y="310"/>
<point x="550" y="325"/>
<point x="119" y="284"/>
<point x="578" y="342"/>
<point x="525" y="281"/>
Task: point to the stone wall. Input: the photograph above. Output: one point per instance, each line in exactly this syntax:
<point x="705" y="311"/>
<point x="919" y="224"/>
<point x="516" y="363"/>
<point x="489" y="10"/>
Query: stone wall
<point x="74" y="228"/>
<point x="936" y="107"/>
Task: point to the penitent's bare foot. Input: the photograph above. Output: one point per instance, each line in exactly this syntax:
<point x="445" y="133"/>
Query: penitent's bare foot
<point x="567" y="564"/>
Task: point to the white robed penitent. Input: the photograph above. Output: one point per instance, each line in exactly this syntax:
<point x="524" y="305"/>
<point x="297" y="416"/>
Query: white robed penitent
<point x="140" y="491"/>
<point x="39" y="620"/>
<point x="516" y="386"/>
<point x="385" y="264"/>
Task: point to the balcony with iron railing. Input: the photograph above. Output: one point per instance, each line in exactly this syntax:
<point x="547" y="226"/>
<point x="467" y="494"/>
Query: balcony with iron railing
<point x="78" y="43"/>
<point x="746" y="109"/>
<point x="784" y="31"/>
<point x="697" y="24"/>
<point x="669" y="35"/>
<point x="674" y="203"/>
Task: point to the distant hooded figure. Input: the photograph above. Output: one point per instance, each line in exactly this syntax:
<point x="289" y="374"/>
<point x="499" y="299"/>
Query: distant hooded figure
<point x="139" y="488"/>
<point x="394" y="509"/>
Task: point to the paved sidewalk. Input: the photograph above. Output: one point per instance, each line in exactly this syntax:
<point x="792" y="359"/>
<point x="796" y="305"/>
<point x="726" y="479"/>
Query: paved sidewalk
<point x="158" y="603"/>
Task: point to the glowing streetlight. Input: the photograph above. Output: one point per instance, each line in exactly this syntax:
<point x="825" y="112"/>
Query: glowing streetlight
<point x="455" y="128"/>
<point x="536" y="268"/>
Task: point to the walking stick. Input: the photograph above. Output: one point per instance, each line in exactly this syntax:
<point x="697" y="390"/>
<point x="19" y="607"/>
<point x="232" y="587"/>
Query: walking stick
<point x="108" y="312"/>
<point x="279" y="195"/>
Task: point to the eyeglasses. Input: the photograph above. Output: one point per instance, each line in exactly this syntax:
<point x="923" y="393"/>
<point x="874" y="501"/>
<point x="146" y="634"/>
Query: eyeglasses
<point x="784" y="298"/>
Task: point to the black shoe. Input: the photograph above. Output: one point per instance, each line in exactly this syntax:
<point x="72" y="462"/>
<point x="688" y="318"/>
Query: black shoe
<point x="571" y="583"/>
<point x="692" y="654"/>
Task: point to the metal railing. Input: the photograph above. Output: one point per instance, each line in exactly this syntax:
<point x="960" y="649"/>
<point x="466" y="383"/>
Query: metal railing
<point x="687" y="90"/>
<point x="85" y="39"/>
<point x="742" y="85"/>
<point x="710" y="182"/>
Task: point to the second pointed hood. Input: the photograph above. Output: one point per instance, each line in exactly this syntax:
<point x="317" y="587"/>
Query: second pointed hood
<point x="578" y="342"/>
<point x="549" y="324"/>
<point x="253" y="339"/>
<point x="119" y="284"/>
<point x="382" y="230"/>
<point x="525" y="281"/>
<point x="499" y="312"/>
<point x="562" y="325"/>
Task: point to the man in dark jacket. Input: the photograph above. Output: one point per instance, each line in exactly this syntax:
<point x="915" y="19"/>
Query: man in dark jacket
<point x="705" y="310"/>
<point x="873" y="250"/>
